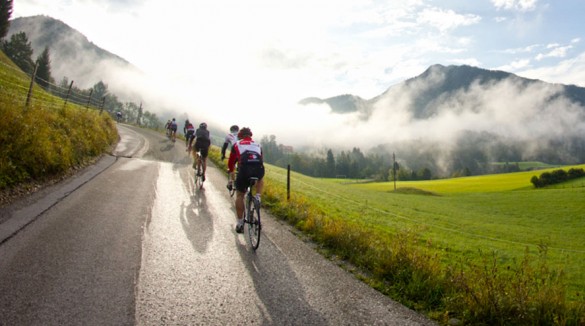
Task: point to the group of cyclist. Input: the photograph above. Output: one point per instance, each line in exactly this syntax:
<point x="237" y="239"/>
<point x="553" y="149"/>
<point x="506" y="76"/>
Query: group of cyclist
<point x="245" y="155"/>
<point x="171" y="128"/>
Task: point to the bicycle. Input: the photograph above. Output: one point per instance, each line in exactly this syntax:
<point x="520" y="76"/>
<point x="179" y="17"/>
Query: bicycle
<point x="231" y="182"/>
<point x="198" y="171"/>
<point x="252" y="215"/>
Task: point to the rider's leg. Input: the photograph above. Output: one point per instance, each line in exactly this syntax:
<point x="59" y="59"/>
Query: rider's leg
<point x="240" y="212"/>
<point x="239" y="206"/>
<point x="194" y="153"/>
<point x="259" y="186"/>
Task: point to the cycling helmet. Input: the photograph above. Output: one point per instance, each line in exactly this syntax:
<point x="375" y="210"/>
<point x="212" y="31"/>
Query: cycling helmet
<point x="203" y="125"/>
<point x="244" y="132"/>
<point x="234" y="128"/>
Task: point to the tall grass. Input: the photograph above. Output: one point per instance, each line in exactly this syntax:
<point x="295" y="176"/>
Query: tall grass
<point x="45" y="139"/>
<point x="403" y="259"/>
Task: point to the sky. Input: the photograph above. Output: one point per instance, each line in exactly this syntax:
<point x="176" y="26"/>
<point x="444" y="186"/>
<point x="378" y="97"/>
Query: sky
<point x="252" y="61"/>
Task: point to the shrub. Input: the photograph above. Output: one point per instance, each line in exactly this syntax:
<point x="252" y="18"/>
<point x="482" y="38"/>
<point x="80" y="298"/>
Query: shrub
<point x="556" y="176"/>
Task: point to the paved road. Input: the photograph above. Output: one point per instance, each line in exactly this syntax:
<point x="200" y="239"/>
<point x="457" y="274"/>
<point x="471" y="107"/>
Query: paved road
<point x="130" y="242"/>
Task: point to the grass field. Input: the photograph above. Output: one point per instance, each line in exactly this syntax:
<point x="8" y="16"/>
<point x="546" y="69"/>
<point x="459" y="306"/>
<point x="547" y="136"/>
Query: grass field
<point x="462" y="217"/>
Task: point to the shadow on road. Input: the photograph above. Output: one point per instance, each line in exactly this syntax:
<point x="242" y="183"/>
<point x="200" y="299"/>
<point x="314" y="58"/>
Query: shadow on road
<point x="197" y="220"/>
<point x="277" y="286"/>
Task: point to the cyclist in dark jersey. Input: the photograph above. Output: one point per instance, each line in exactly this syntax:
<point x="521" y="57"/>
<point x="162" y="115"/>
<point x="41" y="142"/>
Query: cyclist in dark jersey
<point x="202" y="143"/>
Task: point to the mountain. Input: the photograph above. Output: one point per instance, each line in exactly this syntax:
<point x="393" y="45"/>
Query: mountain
<point x="72" y="55"/>
<point x="440" y="83"/>
<point x="461" y="118"/>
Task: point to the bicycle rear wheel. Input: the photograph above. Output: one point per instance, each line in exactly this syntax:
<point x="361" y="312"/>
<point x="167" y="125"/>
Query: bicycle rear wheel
<point x="198" y="178"/>
<point x="254" y="225"/>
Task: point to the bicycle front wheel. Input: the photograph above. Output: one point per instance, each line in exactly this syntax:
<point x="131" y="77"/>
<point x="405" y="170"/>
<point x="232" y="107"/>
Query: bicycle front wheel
<point x="254" y="225"/>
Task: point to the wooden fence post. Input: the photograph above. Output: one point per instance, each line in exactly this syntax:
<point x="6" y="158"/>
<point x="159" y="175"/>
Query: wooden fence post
<point x="32" y="81"/>
<point x="102" y="106"/>
<point x="68" y="93"/>
<point x="288" y="182"/>
<point x="89" y="99"/>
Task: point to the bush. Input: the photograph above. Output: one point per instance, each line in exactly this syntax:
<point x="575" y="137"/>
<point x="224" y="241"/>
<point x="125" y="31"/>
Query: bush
<point x="556" y="176"/>
<point x="42" y="143"/>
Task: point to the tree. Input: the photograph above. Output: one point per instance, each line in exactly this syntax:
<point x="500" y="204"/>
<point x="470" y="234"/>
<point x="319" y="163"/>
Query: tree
<point x="100" y="90"/>
<point x="44" y="69"/>
<point x="330" y="170"/>
<point x="5" y="14"/>
<point x="19" y="50"/>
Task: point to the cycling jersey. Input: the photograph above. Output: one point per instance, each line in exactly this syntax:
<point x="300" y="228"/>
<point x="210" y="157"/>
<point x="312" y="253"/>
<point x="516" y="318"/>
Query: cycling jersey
<point x="248" y="155"/>
<point x="229" y="142"/>
<point x="245" y="152"/>
<point x="189" y="129"/>
<point x="231" y="139"/>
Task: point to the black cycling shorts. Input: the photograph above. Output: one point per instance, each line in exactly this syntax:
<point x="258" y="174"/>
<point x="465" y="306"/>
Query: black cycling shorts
<point x="247" y="171"/>
<point x="202" y="146"/>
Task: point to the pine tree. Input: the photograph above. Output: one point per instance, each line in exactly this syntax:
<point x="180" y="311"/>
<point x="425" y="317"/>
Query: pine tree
<point x="5" y="13"/>
<point x="19" y="50"/>
<point x="43" y="76"/>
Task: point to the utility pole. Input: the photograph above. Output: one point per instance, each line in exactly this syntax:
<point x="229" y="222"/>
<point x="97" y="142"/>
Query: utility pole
<point x="395" y="168"/>
<point x="139" y="114"/>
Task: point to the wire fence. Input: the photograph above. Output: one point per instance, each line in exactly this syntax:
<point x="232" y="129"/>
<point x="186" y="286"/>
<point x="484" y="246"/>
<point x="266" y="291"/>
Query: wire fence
<point x="29" y="91"/>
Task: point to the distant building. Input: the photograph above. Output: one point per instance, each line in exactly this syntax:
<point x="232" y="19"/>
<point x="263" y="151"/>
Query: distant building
<point x="285" y="149"/>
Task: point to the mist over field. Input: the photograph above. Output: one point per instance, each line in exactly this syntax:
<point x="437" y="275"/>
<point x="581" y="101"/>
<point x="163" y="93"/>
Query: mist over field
<point x="445" y="118"/>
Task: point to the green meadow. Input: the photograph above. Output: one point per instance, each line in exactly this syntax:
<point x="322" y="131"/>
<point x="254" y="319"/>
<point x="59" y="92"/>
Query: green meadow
<point x="500" y="213"/>
<point x="486" y="249"/>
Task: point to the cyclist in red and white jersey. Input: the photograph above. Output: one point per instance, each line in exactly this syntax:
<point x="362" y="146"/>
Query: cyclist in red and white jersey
<point x="248" y="155"/>
<point x="189" y="131"/>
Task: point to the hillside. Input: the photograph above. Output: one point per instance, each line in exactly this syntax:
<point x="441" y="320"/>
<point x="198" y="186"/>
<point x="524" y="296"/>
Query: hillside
<point x="56" y="139"/>
<point x="455" y="120"/>
<point x="443" y="82"/>
<point x="72" y="55"/>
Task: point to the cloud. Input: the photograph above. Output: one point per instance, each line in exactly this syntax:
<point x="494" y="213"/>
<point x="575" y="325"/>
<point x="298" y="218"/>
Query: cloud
<point x="515" y="65"/>
<point x="556" y="51"/>
<point x="446" y="20"/>
<point x="516" y="5"/>
<point x="568" y="71"/>
<point x="249" y="63"/>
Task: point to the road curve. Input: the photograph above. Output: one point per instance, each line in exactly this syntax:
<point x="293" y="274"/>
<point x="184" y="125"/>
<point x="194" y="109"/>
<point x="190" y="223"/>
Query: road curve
<point x="136" y="244"/>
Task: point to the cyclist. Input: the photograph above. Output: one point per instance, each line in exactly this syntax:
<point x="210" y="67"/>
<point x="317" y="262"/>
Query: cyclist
<point x="229" y="142"/>
<point x="248" y="155"/>
<point x="168" y="128"/>
<point x="202" y="143"/>
<point x="173" y="128"/>
<point x="189" y="131"/>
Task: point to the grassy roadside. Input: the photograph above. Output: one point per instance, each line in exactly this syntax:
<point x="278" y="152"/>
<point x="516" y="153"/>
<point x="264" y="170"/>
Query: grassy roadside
<point x="47" y="139"/>
<point x="435" y="251"/>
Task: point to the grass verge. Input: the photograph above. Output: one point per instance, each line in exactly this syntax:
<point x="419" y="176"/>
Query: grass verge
<point x="414" y="264"/>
